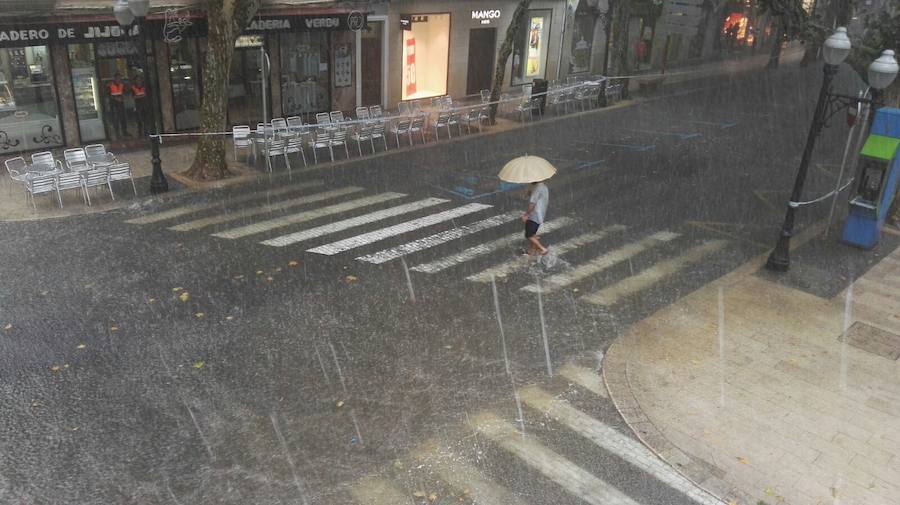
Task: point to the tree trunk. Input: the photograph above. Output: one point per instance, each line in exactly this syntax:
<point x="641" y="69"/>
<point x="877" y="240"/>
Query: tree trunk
<point x="505" y="50"/>
<point x="619" y="64"/>
<point x="226" y="20"/>
<point x="775" y="56"/>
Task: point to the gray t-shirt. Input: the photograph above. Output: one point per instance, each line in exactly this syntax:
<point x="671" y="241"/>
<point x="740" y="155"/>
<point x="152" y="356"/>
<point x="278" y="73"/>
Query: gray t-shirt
<point x="540" y="197"/>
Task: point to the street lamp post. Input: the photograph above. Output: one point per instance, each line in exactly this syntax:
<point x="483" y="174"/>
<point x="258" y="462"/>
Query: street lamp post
<point x="881" y="74"/>
<point x="127" y="11"/>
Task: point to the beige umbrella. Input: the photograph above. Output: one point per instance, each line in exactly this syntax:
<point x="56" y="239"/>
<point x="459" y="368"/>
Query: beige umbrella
<point x="525" y="169"/>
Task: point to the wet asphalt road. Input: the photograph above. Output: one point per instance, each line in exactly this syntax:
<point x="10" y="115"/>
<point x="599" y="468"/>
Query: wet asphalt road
<point x="285" y="376"/>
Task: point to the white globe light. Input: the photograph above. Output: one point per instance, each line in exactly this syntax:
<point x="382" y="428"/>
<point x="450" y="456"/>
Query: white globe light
<point x="139" y="7"/>
<point x="837" y="47"/>
<point x="883" y="70"/>
<point x="123" y="13"/>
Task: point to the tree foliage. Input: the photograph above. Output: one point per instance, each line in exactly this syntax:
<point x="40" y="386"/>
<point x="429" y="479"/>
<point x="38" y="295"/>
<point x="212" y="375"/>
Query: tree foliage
<point x="226" y="19"/>
<point x="791" y="22"/>
<point x="512" y="32"/>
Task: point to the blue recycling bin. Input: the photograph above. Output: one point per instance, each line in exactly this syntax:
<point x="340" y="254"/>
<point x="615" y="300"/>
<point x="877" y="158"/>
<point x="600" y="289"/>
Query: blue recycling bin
<point x="876" y="181"/>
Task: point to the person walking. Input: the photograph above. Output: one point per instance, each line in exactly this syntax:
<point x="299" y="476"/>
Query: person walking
<point x="139" y="92"/>
<point x="538" y="200"/>
<point x="116" y="91"/>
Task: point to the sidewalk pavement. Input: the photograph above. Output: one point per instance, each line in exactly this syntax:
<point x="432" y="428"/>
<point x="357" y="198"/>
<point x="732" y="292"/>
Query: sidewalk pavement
<point x="747" y="387"/>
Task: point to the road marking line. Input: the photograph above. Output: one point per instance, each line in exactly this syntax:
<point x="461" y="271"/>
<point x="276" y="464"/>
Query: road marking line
<point x="572" y="478"/>
<point x="391" y="231"/>
<point x="374" y="491"/>
<point x="265" y="209"/>
<point x="302" y="217"/>
<point x="482" y="249"/>
<point x="460" y="475"/>
<point x="189" y="209"/>
<point x="584" y="377"/>
<point x="630" y="285"/>
<point x="517" y="264"/>
<point x="327" y="229"/>
<point x="611" y="440"/>
<point x="438" y="238"/>
<point x="600" y="263"/>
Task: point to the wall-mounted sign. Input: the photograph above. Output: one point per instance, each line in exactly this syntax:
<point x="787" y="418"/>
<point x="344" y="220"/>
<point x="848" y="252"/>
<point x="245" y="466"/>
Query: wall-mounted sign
<point x="486" y="16"/>
<point x="42" y="35"/>
<point x="405" y="22"/>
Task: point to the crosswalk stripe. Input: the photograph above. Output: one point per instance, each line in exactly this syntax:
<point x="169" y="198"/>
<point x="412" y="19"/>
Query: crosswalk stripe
<point x="600" y="263"/>
<point x="584" y="377"/>
<point x="488" y="247"/>
<point x="572" y="478"/>
<point x="438" y="238"/>
<point x="374" y="491"/>
<point x="391" y="231"/>
<point x="630" y="285"/>
<point x="462" y="476"/>
<point x="517" y="264"/>
<point x="302" y="217"/>
<point x="189" y="209"/>
<point x="265" y="209"/>
<point x="612" y="440"/>
<point x="327" y="229"/>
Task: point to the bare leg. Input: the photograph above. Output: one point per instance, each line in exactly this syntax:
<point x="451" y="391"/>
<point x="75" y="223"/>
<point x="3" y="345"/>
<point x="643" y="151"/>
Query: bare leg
<point x="536" y="244"/>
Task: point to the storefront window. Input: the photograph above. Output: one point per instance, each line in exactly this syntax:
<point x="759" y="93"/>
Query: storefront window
<point x="530" y="52"/>
<point x="29" y="117"/>
<point x="426" y="50"/>
<point x="582" y="41"/>
<point x="87" y="91"/>
<point x="305" y="73"/>
<point x="245" y="82"/>
<point x="184" y="75"/>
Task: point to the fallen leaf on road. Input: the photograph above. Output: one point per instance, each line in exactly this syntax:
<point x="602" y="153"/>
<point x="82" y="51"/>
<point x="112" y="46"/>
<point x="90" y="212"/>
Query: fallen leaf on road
<point x="277" y="269"/>
<point x="419" y="494"/>
<point x="259" y="272"/>
<point x="448" y="347"/>
<point x="175" y="290"/>
<point x="269" y="279"/>
<point x="199" y="364"/>
<point x="184" y="296"/>
<point x="81" y="346"/>
<point x="743" y="461"/>
<point x="8" y="326"/>
<point x="199" y="315"/>
<point x="229" y="318"/>
<point x="350" y="279"/>
<point x="769" y="491"/>
<point x="54" y="368"/>
<point x="339" y="403"/>
<point x="292" y="263"/>
<point x="432" y="497"/>
<point x="238" y="277"/>
<point x="113" y="328"/>
<point x="66" y="365"/>
<point x="152" y="300"/>
<point x="398" y="464"/>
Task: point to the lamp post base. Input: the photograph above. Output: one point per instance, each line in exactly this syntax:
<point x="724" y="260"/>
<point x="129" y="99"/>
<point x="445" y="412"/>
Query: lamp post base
<point x="158" y="182"/>
<point x="780" y="257"/>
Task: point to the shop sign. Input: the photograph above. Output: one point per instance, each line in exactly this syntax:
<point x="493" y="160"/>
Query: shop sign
<point x="355" y="21"/>
<point x="43" y="35"/>
<point x="486" y="16"/>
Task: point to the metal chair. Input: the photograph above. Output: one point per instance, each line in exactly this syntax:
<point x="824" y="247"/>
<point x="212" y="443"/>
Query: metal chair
<point x="437" y="102"/>
<point x="375" y="111"/>
<point x="338" y="138"/>
<point x="377" y="132"/>
<point x="362" y="113"/>
<point x="401" y="128"/>
<point x="16" y="168"/>
<point x="454" y="120"/>
<point x="261" y="138"/>
<point x="39" y="185"/>
<point x="447" y="101"/>
<point x="295" y="125"/>
<point x="417" y="126"/>
<point x="441" y="121"/>
<point x="362" y="134"/>
<point x="321" y="139"/>
<point x="46" y="159"/>
<point x="95" y="178"/>
<point x="280" y="128"/>
<point x="96" y="154"/>
<point x="274" y="147"/>
<point x="403" y="108"/>
<point x="294" y="145"/>
<point x="323" y="118"/>
<point x="76" y="160"/>
<point x="120" y="172"/>
<point x="241" y="138"/>
<point x="485" y="95"/>
<point x="70" y="180"/>
<point x="474" y="116"/>
<point x="337" y="117"/>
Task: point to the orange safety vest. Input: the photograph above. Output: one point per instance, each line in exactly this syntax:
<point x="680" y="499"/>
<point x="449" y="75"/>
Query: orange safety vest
<point x="138" y="91"/>
<point x="116" y="89"/>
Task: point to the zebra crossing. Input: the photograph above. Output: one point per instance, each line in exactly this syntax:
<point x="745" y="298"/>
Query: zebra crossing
<point x="437" y="236"/>
<point x="461" y="465"/>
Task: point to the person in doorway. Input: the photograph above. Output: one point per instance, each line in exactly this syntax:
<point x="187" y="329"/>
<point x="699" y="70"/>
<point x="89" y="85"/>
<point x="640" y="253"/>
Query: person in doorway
<point x="116" y="91"/>
<point x="538" y="199"/>
<point x="139" y="92"/>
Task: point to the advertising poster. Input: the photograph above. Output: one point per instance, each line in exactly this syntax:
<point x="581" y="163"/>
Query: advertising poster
<point x="409" y="69"/>
<point x="535" y="44"/>
<point x="343" y="66"/>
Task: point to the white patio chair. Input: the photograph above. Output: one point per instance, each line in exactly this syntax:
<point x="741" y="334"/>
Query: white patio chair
<point x="363" y="134"/>
<point x="95" y="178"/>
<point x="16" y="168"/>
<point x="241" y="139"/>
<point x="339" y="138"/>
<point x="362" y="113"/>
<point x="39" y="185"/>
<point x="96" y="154"/>
<point x="401" y="128"/>
<point x="70" y="180"/>
<point x="261" y="138"/>
<point x="295" y="125"/>
<point x="336" y="117"/>
<point x="437" y="103"/>
<point x="120" y="172"/>
<point x="323" y="118"/>
<point x="76" y="160"/>
<point x="275" y="147"/>
<point x="377" y="132"/>
<point x="485" y="95"/>
<point x="403" y="108"/>
<point x="417" y="125"/>
<point x="473" y="116"/>
<point x="441" y="121"/>
<point x="454" y="120"/>
<point x="46" y="159"/>
<point x="321" y="139"/>
<point x="447" y="101"/>
<point x="375" y="111"/>
<point x="280" y="128"/>
<point x="293" y="145"/>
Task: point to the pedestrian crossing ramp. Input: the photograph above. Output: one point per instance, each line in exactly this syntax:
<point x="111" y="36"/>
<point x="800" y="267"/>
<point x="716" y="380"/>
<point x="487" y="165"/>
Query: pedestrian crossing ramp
<point x="470" y="241"/>
<point x="552" y="451"/>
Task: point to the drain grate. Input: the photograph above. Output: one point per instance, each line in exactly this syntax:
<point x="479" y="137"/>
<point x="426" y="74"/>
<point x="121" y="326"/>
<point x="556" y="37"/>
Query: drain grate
<point x="874" y="340"/>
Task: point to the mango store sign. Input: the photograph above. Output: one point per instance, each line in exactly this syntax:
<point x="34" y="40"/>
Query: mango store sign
<point x="486" y="16"/>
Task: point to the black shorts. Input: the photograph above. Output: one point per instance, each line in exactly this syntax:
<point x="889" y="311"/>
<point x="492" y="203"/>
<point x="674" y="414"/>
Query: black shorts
<point x="531" y="228"/>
